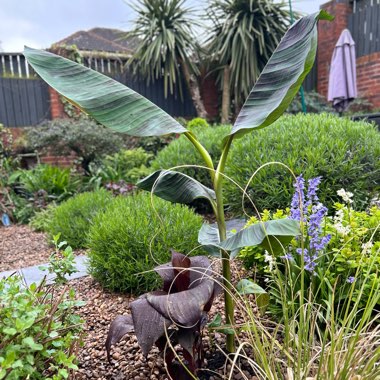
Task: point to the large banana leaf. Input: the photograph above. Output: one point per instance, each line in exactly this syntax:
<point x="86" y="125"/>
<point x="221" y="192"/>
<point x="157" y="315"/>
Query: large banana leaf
<point x="175" y="187"/>
<point x="107" y="101"/>
<point x="282" y="76"/>
<point x="271" y="235"/>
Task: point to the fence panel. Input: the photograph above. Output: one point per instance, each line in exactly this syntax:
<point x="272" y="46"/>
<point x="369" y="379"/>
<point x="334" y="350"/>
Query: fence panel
<point x="23" y="102"/>
<point x="364" y="24"/>
<point x="172" y="104"/>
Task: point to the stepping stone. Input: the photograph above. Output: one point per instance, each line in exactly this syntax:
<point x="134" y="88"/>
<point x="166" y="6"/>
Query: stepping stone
<point x="36" y="275"/>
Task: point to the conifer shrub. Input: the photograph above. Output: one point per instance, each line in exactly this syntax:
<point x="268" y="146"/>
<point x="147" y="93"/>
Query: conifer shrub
<point x="74" y="217"/>
<point x="132" y="237"/>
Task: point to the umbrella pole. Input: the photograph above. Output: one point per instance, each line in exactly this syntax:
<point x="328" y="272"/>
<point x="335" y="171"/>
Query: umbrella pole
<point x="302" y="93"/>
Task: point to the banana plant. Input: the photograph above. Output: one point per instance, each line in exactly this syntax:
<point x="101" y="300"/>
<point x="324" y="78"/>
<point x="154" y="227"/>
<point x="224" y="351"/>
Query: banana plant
<point x="122" y="109"/>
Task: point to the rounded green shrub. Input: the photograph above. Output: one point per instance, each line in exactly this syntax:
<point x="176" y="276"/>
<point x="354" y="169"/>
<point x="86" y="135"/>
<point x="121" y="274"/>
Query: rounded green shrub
<point x="74" y="217"/>
<point x="197" y="122"/>
<point x="345" y="153"/>
<point x="130" y="238"/>
<point x="182" y="152"/>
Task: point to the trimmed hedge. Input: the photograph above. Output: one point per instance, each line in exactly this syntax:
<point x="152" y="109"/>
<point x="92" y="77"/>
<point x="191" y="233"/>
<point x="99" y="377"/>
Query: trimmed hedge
<point x="345" y="153"/>
<point x="129" y="239"/>
<point x="73" y="218"/>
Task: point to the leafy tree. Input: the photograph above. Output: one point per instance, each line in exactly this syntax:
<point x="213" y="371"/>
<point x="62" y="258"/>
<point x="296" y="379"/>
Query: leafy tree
<point x="167" y="46"/>
<point x="243" y="36"/>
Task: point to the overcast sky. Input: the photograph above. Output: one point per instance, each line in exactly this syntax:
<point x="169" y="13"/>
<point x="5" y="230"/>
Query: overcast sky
<point x="39" y="23"/>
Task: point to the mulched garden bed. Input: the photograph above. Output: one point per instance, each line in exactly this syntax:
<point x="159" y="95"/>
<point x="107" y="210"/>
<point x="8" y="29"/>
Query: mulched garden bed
<point x="127" y="360"/>
<point x="21" y="247"/>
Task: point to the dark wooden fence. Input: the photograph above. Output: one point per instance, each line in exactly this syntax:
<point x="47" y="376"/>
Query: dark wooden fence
<point x="25" y="101"/>
<point x="364" y="24"/>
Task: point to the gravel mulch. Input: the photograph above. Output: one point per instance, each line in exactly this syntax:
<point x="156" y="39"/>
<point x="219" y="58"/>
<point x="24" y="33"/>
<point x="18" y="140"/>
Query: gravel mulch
<point x="21" y="247"/>
<point x="127" y="360"/>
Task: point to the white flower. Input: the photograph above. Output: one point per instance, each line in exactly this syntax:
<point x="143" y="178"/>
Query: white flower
<point x="338" y="223"/>
<point x="367" y="247"/>
<point x="342" y="230"/>
<point x="270" y="260"/>
<point x="346" y="195"/>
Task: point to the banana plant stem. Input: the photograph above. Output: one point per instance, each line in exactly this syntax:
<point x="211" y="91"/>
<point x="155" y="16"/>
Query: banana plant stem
<point x="203" y="152"/>
<point x="226" y="267"/>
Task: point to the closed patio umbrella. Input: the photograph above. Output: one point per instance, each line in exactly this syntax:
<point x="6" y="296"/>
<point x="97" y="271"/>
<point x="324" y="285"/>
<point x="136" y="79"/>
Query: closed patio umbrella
<point x="342" y="80"/>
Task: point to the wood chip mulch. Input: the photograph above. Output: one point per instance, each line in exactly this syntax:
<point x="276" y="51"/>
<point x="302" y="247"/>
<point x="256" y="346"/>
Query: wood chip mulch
<point x="21" y="247"/>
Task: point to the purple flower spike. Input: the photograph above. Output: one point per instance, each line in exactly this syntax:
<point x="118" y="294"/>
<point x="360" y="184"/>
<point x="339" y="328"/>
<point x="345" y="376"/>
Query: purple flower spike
<point x="314" y="214"/>
<point x="350" y="279"/>
<point x="298" y="199"/>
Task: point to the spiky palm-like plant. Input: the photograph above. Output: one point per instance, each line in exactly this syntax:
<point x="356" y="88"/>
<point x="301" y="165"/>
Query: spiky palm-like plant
<point x="167" y="47"/>
<point x="243" y="36"/>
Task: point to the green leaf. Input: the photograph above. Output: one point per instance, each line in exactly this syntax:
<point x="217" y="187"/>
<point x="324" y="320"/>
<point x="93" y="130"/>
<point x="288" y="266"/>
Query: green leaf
<point x="216" y="322"/>
<point x="271" y="234"/>
<point x="246" y="286"/>
<point x="107" y="101"/>
<point x="208" y="237"/>
<point x="29" y="341"/>
<point x="282" y="77"/>
<point x="175" y="187"/>
<point x="9" y="331"/>
<point x="262" y="302"/>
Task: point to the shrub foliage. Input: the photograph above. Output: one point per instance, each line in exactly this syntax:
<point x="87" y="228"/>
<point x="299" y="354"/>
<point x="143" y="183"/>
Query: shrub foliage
<point x="345" y="153"/>
<point x="132" y="236"/>
<point x="73" y="218"/>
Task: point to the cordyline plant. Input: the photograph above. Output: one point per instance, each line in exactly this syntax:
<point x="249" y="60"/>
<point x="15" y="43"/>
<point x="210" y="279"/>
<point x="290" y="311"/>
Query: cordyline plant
<point x="185" y="300"/>
<point x="120" y="108"/>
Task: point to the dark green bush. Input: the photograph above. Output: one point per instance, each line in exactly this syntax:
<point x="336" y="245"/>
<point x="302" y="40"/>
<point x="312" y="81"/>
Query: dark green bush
<point x="83" y="136"/>
<point x="129" y="239"/>
<point x="182" y="152"/>
<point x="73" y="218"/>
<point x="345" y="153"/>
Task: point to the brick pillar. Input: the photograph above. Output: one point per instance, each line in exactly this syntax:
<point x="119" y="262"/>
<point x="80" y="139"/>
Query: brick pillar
<point x="328" y="34"/>
<point x="56" y="106"/>
<point x="210" y="95"/>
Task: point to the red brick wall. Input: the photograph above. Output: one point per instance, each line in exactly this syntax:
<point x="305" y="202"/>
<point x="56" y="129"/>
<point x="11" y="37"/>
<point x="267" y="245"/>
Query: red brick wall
<point x="328" y="34"/>
<point x="367" y="67"/>
<point x="368" y="78"/>
<point x="56" y="106"/>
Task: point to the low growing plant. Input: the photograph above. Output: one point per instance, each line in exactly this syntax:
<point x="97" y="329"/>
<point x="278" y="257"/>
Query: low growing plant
<point x="196" y="123"/>
<point x="334" y="253"/>
<point x="41" y="220"/>
<point x="127" y="165"/>
<point x="39" y="330"/>
<point x="131" y="113"/>
<point x="132" y="235"/>
<point x="73" y="218"/>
